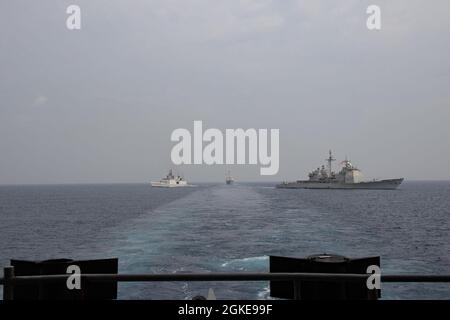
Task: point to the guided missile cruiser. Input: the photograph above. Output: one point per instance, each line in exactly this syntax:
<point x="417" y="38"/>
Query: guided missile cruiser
<point x="349" y="177"/>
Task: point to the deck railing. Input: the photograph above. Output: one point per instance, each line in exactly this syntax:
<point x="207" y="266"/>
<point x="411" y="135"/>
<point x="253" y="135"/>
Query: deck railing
<point x="9" y="279"/>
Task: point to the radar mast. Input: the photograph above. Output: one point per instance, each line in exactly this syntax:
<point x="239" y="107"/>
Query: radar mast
<point x="330" y="160"/>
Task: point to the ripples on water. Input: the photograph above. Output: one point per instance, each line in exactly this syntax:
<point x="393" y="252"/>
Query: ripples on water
<point x="229" y="228"/>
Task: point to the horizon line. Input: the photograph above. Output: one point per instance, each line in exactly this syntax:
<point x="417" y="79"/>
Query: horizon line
<point x="193" y="182"/>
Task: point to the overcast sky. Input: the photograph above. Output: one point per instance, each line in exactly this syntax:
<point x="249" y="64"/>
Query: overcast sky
<point x="99" y="104"/>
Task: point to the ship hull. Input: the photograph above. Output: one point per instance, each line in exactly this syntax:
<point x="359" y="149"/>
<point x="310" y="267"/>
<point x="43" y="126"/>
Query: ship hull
<point x="158" y="184"/>
<point x="389" y="184"/>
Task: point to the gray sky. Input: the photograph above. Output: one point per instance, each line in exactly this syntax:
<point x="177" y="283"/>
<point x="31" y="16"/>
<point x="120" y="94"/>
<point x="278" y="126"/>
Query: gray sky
<point x="99" y="104"/>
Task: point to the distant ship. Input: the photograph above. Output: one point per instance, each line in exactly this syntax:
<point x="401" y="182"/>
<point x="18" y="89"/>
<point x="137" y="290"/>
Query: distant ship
<point x="229" y="179"/>
<point x="349" y="177"/>
<point x="170" y="181"/>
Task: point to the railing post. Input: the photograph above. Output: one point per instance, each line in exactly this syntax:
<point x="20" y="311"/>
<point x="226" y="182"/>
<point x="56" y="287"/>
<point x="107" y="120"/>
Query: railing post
<point x="8" y="285"/>
<point x="297" y="295"/>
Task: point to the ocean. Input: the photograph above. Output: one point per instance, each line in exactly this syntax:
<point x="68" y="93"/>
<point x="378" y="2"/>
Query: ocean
<point x="220" y="228"/>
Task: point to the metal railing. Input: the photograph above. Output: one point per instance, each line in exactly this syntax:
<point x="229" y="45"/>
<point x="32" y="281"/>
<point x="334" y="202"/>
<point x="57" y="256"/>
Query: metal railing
<point x="9" y="279"/>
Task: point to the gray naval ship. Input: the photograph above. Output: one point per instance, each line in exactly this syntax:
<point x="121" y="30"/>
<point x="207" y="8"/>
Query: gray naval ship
<point x="349" y="177"/>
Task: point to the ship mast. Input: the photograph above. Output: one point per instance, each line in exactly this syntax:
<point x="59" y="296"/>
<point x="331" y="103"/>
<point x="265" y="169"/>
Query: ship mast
<point x="330" y="160"/>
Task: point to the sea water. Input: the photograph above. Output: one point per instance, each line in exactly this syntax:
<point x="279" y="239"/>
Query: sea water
<point x="223" y="228"/>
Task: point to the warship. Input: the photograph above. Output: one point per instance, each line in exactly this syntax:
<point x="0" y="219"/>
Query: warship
<point x="229" y="179"/>
<point x="349" y="177"/>
<point x="170" y="181"/>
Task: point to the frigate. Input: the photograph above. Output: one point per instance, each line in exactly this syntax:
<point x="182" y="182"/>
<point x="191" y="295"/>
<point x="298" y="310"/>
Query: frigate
<point x="349" y="177"/>
<point x="170" y="181"/>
